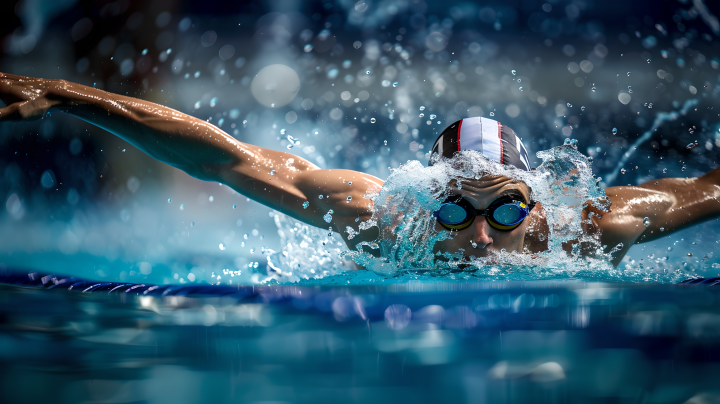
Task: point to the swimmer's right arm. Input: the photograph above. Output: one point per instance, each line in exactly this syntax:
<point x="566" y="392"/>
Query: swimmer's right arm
<point x="280" y="180"/>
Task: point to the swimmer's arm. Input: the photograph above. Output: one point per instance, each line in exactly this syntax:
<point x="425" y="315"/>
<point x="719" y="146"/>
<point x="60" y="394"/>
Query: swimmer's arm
<point x="672" y="204"/>
<point x="199" y="148"/>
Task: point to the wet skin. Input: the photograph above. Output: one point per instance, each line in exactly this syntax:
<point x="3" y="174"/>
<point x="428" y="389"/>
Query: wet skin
<point x="206" y="152"/>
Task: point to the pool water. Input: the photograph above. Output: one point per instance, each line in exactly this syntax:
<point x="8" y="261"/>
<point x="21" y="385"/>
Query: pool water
<point x="540" y="342"/>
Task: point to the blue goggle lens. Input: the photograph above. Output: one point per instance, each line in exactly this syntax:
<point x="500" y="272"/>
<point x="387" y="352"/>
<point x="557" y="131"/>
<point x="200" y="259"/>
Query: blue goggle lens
<point x="452" y="214"/>
<point x="509" y="214"/>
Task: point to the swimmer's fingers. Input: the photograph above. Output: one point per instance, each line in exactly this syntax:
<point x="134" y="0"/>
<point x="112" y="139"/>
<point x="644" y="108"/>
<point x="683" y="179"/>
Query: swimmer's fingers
<point x="9" y="113"/>
<point x="26" y="110"/>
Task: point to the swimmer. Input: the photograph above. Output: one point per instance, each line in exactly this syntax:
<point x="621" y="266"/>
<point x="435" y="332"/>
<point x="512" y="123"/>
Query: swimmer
<point x="490" y="213"/>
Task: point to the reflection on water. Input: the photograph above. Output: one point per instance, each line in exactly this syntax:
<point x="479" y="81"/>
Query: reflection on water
<point x="416" y="341"/>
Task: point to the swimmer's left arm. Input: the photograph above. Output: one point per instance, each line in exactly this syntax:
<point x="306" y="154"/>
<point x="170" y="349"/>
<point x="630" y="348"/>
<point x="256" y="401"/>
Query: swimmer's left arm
<point x="669" y="204"/>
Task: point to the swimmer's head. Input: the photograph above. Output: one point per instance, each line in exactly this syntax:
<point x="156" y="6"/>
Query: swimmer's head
<point x="490" y="138"/>
<point x="498" y="143"/>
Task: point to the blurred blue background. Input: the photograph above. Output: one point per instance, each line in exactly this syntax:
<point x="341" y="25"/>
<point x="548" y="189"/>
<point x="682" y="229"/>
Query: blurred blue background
<point x="634" y="81"/>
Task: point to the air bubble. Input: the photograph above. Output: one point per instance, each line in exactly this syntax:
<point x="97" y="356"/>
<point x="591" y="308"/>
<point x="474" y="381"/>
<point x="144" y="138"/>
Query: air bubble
<point x="395" y="84"/>
<point x="433" y="116"/>
<point x="513" y="72"/>
<point x="614" y="131"/>
<point x="569" y="105"/>
<point x="623" y="171"/>
<point x="197" y="74"/>
<point x="373" y="120"/>
<point x="582" y="108"/>
<point x="628" y="73"/>
<point x="306" y="204"/>
<point x="422" y="108"/>
<point x="169" y="200"/>
<point x="646" y="222"/>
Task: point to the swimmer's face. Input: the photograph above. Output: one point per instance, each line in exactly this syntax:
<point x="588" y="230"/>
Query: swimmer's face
<point x="481" y="193"/>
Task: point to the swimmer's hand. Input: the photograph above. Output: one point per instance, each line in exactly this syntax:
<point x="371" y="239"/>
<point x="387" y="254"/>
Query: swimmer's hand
<point x="27" y="98"/>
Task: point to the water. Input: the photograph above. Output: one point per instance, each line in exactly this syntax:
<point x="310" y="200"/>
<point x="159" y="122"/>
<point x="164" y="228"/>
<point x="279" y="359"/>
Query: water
<point x="458" y="341"/>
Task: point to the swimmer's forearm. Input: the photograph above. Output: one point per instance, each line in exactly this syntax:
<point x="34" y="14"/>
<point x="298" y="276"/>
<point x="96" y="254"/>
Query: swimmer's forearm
<point x="170" y="136"/>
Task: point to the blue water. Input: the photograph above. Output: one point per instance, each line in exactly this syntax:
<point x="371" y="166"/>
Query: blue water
<point x="420" y="341"/>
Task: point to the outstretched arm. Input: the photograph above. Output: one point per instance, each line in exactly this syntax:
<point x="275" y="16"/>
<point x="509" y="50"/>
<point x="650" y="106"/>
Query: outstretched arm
<point x="670" y="205"/>
<point x="280" y="180"/>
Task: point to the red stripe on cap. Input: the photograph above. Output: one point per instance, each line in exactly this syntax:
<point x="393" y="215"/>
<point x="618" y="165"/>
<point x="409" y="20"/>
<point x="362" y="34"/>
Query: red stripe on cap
<point x="500" y="140"/>
<point x="458" y="134"/>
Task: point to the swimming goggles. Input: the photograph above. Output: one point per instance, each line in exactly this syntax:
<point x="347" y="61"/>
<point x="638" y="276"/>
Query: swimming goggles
<point x="505" y="213"/>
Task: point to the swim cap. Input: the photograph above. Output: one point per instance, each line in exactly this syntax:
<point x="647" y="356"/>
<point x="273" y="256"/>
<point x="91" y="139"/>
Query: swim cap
<point x="491" y="138"/>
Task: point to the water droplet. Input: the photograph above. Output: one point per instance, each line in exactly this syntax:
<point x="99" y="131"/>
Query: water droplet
<point x="433" y="116"/>
<point x="569" y="105"/>
<point x="520" y="88"/>
<point x="664" y="170"/>
<point x="328" y="217"/>
<point x="662" y="229"/>
<point x="245" y="236"/>
<point x="306" y="204"/>
<point x="169" y="200"/>
<point x="691" y="145"/>
<point x="349" y="198"/>
<point x="646" y="222"/>
<point x="492" y="114"/>
<point x="357" y="219"/>
<point x="422" y="108"/>
<point x="395" y="84"/>
<point x="211" y="198"/>
<point x="648" y="60"/>
<point x="192" y="224"/>
<point x="272" y="172"/>
<point x="213" y="102"/>
<point x="308" y="48"/>
<point x="582" y="108"/>
<point x="283" y="131"/>
<point x="628" y="73"/>
<point x="372" y="120"/>
<point x="182" y="206"/>
<point x="650" y="105"/>
<point x="234" y="206"/>
<point x="123" y="150"/>
<point x="513" y="72"/>
<point x="683" y="168"/>
<point x="519" y="80"/>
<point x="614" y="131"/>
<point x="197" y="105"/>
<point x="623" y="171"/>
<point x="593" y="89"/>
<point x="222" y="246"/>
<point x="349" y="182"/>
<point x="385" y="141"/>
<point x="197" y="74"/>
<point x="145" y="51"/>
<point x="320" y="196"/>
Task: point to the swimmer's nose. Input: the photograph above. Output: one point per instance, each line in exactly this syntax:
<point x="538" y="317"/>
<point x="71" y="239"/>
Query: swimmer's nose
<point x="481" y="237"/>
